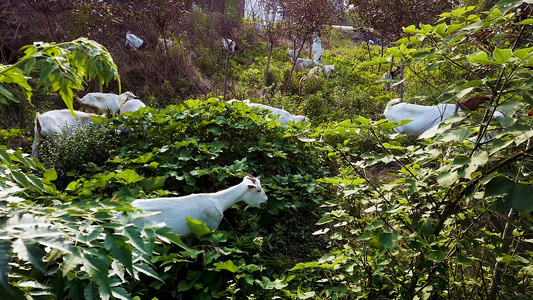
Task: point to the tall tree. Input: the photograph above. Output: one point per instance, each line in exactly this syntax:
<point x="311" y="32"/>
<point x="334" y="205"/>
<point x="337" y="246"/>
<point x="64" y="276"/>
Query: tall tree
<point x="273" y="30"/>
<point x="387" y="18"/>
<point x="303" y="18"/>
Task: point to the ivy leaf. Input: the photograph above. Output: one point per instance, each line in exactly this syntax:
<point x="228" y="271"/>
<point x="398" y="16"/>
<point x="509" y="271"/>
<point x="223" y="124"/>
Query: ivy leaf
<point x="228" y="265"/>
<point x="515" y="195"/>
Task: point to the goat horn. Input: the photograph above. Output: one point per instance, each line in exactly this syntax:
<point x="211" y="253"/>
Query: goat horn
<point x="78" y="99"/>
<point x="251" y="177"/>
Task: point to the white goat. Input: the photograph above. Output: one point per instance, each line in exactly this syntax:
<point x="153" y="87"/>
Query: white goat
<point x="317" y="49"/>
<point x="284" y="116"/>
<point x="52" y="122"/>
<point x="100" y="103"/>
<point x="132" y="41"/>
<point x="389" y="75"/>
<point x="328" y="71"/>
<point x="304" y="63"/>
<point x="208" y="208"/>
<point x="229" y="45"/>
<point x="426" y="117"/>
<point x="291" y="53"/>
<point x="131" y="105"/>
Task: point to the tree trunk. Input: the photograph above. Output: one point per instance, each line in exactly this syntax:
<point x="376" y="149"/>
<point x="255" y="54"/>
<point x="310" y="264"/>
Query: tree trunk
<point x="401" y="84"/>
<point x="293" y="66"/>
<point x="268" y="62"/>
<point x="507" y="235"/>
<point x="507" y="238"/>
<point x="226" y="76"/>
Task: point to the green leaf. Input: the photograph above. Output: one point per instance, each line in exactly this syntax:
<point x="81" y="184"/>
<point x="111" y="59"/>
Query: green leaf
<point x="120" y="293"/>
<point x="5" y="156"/>
<point x="29" y="251"/>
<point x="375" y="225"/>
<point x="144" y="158"/>
<point x="423" y="54"/>
<point x="447" y="178"/>
<point x="410" y="29"/>
<point x="524" y="53"/>
<point x="8" y="95"/>
<point x="267" y="284"/>
<point x="98" y="269"/>
<point x="526" y="22"/>
<point x="464" y="260"/>
<point x="313" y="264"/>
<point x="35" y="181"/>
<point x="197" y="227"/>
<point x="50" y="175"/>
<point x="437" y="256"/>
<point x="134" y="235"/>
<point x="5" y="259"/>
<point x="129" y="176"/>
<point x="153" y="183"/>
<point x="184" y="285"/>
<point x="147" y="270"/>
<point x="502" y="55"/>
<point x="389" y="240"/>
<point x="120" y="250"/>
<point x="91" y="292"/>
<point x="165" y="233"/>
<point x="479" y="58"/>
<point x="20" y="178"/>
<point x="228" y="265"/>
<point x="324" y="220"/>
<point x="515" y="195"/>
<point x="381" y="60"/>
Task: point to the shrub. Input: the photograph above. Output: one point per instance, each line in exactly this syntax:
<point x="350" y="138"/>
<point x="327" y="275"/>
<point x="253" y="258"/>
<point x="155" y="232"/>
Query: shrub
<point x="76" y="148"/>
<point x="424" y="231"/>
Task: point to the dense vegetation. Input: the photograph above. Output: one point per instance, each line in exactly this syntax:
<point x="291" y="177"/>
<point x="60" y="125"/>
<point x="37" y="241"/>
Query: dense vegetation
<point x="354" y="211"/>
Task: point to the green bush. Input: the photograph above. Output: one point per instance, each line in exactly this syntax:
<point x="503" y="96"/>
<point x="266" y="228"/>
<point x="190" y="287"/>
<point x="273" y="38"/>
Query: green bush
<point x="449" y="218"/>
<point x="75" y="148"/>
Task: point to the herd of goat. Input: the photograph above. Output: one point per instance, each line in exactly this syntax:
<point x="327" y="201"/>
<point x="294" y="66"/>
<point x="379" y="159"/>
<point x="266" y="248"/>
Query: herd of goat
<point x="174" y="212"/>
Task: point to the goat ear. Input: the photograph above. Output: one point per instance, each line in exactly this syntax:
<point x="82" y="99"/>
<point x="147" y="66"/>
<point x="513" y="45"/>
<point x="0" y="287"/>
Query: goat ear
<point x="251" y="186"/>
<point x="250" y="177"/>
